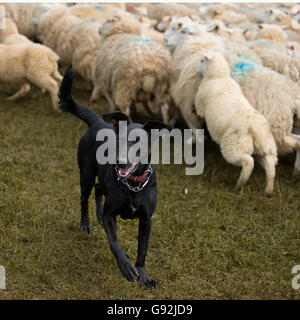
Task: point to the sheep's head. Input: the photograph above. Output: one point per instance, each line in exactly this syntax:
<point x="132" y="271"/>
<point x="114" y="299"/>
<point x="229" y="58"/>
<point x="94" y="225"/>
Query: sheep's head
<point x="175" y="25"/>
<point x="271" y="32"/>
<point x="44" y="8"/>
<point x="204" y="61"/>
<point x="272" y="16"/>
<point x="219" y="28"/>
<point x="183" y="31"/>
<point x="120" y="22"/>
<point x="165" y="23"/>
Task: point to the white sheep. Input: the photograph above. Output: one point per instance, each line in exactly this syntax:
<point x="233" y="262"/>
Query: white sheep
<point x="157" y="11"/>
<point x="97" y="11"/>
<point x="232" y="122"/>
<point x="76" y="41"/>
<point x="131" y="69"/>
<point x="30" y="63"/>
<point x="10" y="34"/>
<point x="187" y="40"/>
<point x="22" y="14"/>
<point x="260" y="85"/>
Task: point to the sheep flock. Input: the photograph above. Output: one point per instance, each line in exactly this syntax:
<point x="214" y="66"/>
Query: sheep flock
<point x="235" y="67"/>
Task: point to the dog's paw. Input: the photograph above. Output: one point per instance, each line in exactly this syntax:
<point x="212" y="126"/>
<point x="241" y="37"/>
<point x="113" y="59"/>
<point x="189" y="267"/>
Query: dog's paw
<point x="127" y="268"/>
<point x="86" y="228"/>
<point x="144" y="279"/>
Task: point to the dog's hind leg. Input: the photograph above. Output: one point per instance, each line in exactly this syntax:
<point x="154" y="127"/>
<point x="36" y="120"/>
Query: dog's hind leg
<point x="99" y="206"/>
<point x="87" y="181"/>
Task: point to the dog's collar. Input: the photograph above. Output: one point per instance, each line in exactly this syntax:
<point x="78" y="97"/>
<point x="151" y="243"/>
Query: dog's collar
<point x="142" y="180"/>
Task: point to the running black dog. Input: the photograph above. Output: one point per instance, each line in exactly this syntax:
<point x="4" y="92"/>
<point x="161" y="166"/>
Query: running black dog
<point x="130" y="190"/>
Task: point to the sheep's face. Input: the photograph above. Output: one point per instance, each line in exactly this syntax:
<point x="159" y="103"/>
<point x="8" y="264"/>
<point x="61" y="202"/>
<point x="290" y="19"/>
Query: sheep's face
<point x="270" y="32"/>
<point x="175" y="25"/>
<point x="42" y="10"/>
<point x="178" y="37"/>
<point x="272" y="16"/>
<point x="164" y="24"/>
<point x="120" y="22"/>
<point x="109" y="24"/>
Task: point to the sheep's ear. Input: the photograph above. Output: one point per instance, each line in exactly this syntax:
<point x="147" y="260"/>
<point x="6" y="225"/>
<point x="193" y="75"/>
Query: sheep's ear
<point x="211" y="27"/>
<point x="207" y="56"/>
<point x="112" y="18"/>
<point x="185" y="29"/>
<point x="115" y="117"/>
<point x="193" y="17"/>
<point x="295" y="25"/>
<point x="290" y="46"/>
<point x="179" y="25"/>
<point x="260" y="26"/>
<point x="269" y="12"/>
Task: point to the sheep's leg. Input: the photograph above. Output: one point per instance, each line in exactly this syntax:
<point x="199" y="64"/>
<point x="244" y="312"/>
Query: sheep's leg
<point x="165" y="113"/>
<point x="247" y="164"/>
<point x="297" y="164"/>
<point x="40" y="93"/>
<point x="231" y="149"/>
<point x="125" y="109"/>
<point x="268" y="163"/>
<point x="25" y="88"/>
<point x="192" y="120"/>
<point x="190" y="116"/>
<point x="95" y="94"/>
<point x="112" y="105"/>
<point x="57" y="76"/>
<point x="50" y="85"/>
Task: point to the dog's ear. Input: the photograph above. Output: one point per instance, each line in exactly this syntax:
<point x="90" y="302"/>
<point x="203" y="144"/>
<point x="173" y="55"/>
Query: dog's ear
<point x="115" y="117"/>
<point x="153" y="124"/>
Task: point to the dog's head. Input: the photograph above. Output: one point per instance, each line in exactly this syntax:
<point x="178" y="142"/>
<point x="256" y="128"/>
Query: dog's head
<point x="136" y="137"/>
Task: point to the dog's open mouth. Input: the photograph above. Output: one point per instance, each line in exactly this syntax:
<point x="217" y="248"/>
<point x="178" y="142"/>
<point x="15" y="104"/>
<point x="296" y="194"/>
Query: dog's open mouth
<point x="126" y="172"/>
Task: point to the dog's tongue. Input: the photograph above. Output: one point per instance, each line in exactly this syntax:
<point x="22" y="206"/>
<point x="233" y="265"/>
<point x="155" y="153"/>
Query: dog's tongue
<point x="126" y="172"/>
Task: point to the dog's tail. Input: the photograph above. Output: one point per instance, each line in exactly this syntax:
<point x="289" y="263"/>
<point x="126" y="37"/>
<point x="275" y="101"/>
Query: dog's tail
<point x="68" y="104"/>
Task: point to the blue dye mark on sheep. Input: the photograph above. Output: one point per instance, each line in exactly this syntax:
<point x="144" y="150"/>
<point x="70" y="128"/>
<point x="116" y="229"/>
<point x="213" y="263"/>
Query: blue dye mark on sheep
<point x="240" y="69"/>
<point x="138" y="39"/>
<point x="243" y="67"/>
<point x="83" y="21"/>
<point x="96" y="6"/>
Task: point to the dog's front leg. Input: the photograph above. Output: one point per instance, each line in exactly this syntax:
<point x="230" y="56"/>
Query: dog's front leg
<point x="145" y="225"/>
<point x="125" y="265"/>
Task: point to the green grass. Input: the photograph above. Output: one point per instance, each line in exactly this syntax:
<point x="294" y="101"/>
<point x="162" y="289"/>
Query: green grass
<point x="210" y="243"/>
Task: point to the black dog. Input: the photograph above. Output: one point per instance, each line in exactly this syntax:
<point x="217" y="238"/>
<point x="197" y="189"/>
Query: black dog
<point x="130" y="190"/>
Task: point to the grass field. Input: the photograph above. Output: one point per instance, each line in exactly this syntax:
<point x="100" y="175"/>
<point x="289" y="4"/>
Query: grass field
<point x="210" y="243"/>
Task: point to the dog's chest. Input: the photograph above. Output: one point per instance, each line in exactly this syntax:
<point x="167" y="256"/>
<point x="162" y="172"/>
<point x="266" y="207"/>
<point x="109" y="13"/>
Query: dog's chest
<point x="130" y="211"/>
